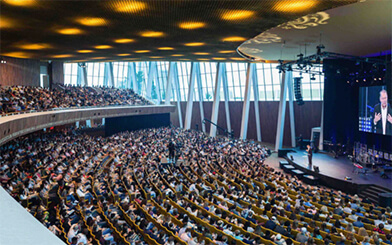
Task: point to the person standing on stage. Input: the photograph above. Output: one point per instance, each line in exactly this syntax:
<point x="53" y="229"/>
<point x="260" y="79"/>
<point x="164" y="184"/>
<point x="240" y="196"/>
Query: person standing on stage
<point x="383" y="115"/>
<point x="172" y="148"/>
<point x="310" y="155"/>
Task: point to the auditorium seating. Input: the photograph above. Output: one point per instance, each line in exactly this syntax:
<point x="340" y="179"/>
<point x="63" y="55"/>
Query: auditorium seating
<point x="16" y="99"/>
<point x="114" y="190"/>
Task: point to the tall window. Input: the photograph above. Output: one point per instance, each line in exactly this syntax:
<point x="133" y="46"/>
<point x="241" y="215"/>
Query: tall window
<point x="70" y="73"/>
<point x="95" y="74"/>
<point x="120" y="74"/>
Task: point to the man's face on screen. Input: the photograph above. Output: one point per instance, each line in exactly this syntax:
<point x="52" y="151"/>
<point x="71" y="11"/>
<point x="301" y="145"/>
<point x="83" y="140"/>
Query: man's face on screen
<point x="383" y="99"/>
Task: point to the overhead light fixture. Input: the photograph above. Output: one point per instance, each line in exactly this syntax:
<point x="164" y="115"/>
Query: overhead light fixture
<point x="238" y="14"/>
<point x="34" y="46"/>
<point x="22" y="55"/>
<point x="69" y="31"/>
<point x="191" y="25"/>
<point x="124" y="40"/>
<point x="2" y="60"/>
<point x="152" y="34"/>
<point x="21" y="3"/>
<point x="226" y="51"/>
<point x="103" y="47"/>
<point x="177" y="55"/>
<point x="91" y="21"/>
<point x="61" y="56"/>
<point x="201" y="53"/>
<point x="123" y="54"/>
<point x="85" y="51"/>
<point x="129" y="7"/>
<point x="5" y="22"/>
<point x="233" y="39"/>
<point x="165" y="48"/>
<point x="294" y="5"/>
<point x="194" y="44"/>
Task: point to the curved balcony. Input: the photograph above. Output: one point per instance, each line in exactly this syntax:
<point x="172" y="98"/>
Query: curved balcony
<point x="13" y="126"/>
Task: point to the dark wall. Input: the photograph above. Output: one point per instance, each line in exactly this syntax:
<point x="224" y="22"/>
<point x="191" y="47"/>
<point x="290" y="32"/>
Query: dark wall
<point x="118" y="124"/>
<point x="20" y="72"/>
<point x="306" y="117"/>
<point x="58" y="72"/>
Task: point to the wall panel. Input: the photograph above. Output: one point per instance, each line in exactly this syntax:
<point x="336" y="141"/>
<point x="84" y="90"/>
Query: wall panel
<point x="20" y="72"/>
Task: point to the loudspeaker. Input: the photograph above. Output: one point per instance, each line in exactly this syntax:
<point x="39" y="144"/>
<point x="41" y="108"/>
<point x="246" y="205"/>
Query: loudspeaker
<point x="298" y="90"/>
<point x="283" y="152"/>
<point x="316" y="169"/>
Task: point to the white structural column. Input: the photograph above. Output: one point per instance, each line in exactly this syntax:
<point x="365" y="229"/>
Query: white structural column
<point x="245" y="108"/>
<point x="289" y="79"/>
<point x="256" y="101"/>
<point x="215" y="104"/>
<point x="281" y="113"/>
<point x="83" y="72"/>
<point x="201" y="98"/>
<point x="169" y="82"/>
<point x="151" y="75"/>
<point x="110" y="74"/>
<point x="132" y="78"/>
<point x="177" y="89"/>
<point x="189" y="103"/>
<point x="226" y="94"/>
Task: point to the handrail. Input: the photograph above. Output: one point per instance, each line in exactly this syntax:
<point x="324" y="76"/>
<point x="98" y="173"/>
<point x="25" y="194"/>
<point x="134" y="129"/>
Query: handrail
<point x="229" y="134"/>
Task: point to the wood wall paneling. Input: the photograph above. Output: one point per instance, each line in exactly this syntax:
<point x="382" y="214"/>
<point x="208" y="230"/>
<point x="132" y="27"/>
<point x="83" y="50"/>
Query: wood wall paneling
<point x="24" y="72"/>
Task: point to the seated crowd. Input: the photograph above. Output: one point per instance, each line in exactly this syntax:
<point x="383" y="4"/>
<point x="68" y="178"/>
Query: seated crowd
<point x="20" y="98"/>
<point x="115" y="190"/>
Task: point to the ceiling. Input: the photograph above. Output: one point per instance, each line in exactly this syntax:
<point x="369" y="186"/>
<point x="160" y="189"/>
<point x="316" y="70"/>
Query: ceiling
<point x="142" y="30"/>
<point x="361" y="29"/>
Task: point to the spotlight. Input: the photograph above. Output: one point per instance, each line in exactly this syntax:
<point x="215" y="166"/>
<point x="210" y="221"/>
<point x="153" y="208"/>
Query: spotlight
<point x="2" y="60"/>
<point x="379" y="78"/>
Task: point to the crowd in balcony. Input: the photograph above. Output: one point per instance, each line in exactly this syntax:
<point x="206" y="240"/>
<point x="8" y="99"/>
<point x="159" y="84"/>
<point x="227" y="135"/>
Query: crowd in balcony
<point x="118" y="190"/>
<point x="21" y="98"/>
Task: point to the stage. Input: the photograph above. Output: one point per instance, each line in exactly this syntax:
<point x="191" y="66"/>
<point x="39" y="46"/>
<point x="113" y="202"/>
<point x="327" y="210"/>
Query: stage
<point x="334" y="171"/>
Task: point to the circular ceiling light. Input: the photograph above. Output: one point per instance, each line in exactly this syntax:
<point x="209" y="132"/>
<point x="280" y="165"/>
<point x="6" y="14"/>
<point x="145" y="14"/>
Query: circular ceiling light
<point x="191" y="25"/>
<point x="152" y="34"/>
<point x="91" y="21"/>
<point x="238" y="14"/>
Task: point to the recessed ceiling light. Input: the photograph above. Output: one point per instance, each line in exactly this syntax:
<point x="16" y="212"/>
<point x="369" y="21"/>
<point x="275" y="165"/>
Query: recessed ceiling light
<point x="60" y="56"/>
<point x="166" y="48"/>
<point x="203" y="59"/>
<point x="103" y="47"/>
<point x="130" y="7"/>
<point x="237" y="58"/>
<point x="21" y="3"/>
<point x="123" y="54"/>
<point x="194" y="44"/>
<point x="218" y="58"/>
<point x="237" y="14"/>
<point x="191" y="25"/>
<point x="142" y="51"/>
<point x="156" y="57"/>
<point x="152" y="34"/>
<point x="177" y="55"/>
<point x="98" y="58"/>
<point x="124" y="40"/>
<point x="294" y="5"/>
<point x="34" y="46"/>
<point x="85" y="51"/>
<point x="5" y="22"/>
<point x="70" y="31"/>
<point x="23" y="55"/>
<point x="91" y="21"/>
<point x="226" y="51"/>
<point x="233" y="39"/>
<point x="201" y="53"/>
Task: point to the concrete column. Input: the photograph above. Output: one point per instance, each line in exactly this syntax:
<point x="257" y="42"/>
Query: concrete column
<point x="215" y="104"/>
<point x="245" y="108"/>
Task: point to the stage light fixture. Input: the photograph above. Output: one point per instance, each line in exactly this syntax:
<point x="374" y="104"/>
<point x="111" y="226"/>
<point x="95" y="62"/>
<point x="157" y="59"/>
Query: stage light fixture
<point x="2" y="60"/>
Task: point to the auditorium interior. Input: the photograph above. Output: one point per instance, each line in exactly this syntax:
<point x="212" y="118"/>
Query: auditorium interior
<point x="133" y="122"/>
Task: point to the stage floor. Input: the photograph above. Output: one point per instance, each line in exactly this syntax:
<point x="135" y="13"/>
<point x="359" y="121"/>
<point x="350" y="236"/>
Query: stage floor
<point x="340" y="168"/>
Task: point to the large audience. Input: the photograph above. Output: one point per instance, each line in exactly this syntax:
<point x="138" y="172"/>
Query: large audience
<point x="117" y="190"/>
<point x="20" y="98"/>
